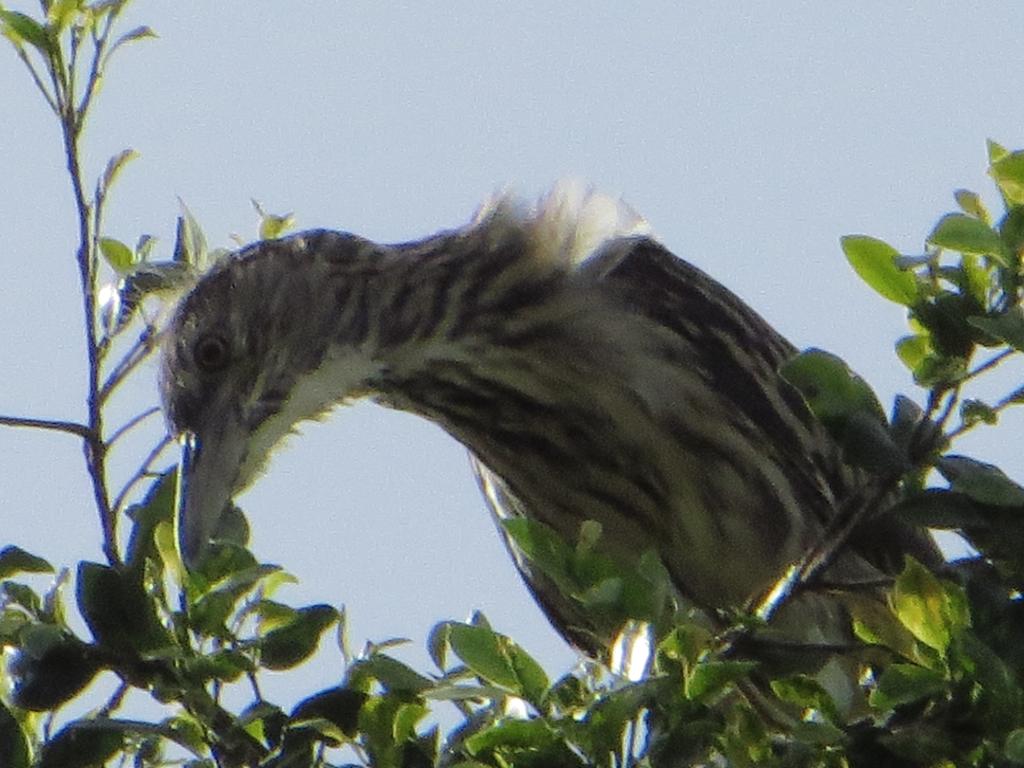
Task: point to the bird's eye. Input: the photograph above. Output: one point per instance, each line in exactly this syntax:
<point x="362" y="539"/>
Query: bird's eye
<point x="211" y="352"/>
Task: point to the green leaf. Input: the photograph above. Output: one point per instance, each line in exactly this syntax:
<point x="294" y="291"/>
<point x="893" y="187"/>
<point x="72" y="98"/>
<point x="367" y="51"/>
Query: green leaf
<point x="481" y="650"/>
<point x="139" y="33"/>
<point x="876" y="263"/>
<point x="82" y="745"/>
<point x="50" y="672"/>
<point x="392" y="674"/>
<point x="995" y="150"/>
<point x="117" y="609"/>
<point x="19" y="28"/>
<point x="190" y="242"/>
<point x="1008" y="171"/>
<point x="905" y="683"/>
<point x="966" y="234"/>
<point x="114" y="166"/>
<point x="971" y="204"/>
<point x="985" y="483"/>
<point x="13" y="742"/>
<point x="118" y="255"/>
<point x="338" y="705"/>
<point x="1013" y="748"/>
<point x="922" y="606"/>
<point x="912" y="350"/>
<point x="807" y="693"/>
<point x="710" y="678"/>
<point x="875" y="624"/>
<point x="61" y="13"/>
<point x="831" y="389"/>
<point x="294" y="643"/>
<point x="271" y="225"/>
<point x="16" y="560"/>
<point x="1008" y="326"/>
<point x="499" y="660"/>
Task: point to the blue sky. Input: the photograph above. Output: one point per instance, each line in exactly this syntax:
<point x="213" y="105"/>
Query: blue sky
<point x="751" y="135"/>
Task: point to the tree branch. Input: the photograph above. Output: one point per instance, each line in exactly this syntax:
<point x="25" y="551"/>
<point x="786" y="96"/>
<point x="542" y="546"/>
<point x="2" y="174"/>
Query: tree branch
<point x="71" y="427"/>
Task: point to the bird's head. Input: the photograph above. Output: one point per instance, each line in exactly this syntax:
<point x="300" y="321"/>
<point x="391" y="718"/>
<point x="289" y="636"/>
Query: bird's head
<point x="252" y="350"/>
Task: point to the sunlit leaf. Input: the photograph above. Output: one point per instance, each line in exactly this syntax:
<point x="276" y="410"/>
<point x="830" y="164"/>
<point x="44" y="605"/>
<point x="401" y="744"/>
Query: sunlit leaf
<point x="921" y="604"/>
<point x="1008" y="171"/>
<point x="876" y="263"/>
<point x="966" y="234"/>
<point x="118" y="255"/>
<point x="971" y="204"/>
<point x="114" y="166"/>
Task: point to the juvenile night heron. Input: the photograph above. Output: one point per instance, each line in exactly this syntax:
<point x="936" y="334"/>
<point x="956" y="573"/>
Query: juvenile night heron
<point x="592" y="375"/>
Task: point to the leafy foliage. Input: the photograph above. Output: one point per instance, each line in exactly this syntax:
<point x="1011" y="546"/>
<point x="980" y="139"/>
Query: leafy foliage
<point x="938" y="667"/>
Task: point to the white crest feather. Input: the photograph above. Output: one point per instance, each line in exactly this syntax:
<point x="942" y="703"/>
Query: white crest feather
<point x="568" y="224"/>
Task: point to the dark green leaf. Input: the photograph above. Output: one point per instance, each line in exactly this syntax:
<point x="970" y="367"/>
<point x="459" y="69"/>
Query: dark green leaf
<point x="82" y="745"/>
<point x="966" y="234"/>
<point x="117" y="609"/>
<point x="942" y="509"/>
<point x="13" y="743"/>
<point x="20" y="28"/>
<point x="905" y="683"/>
<point x="1007" y="326"/>
<point x="982" y="482"/>
<point x="876" y="263"/>
<point x="16" y="560"/>
<point x="46" y="678"/>
<point x="338" y="705"/>
<point x="392" y="674"/>
<point x="437" y="644"/>
<point x="295" y="642"/>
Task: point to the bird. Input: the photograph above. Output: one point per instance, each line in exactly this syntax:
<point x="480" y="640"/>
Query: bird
<point x="592" y="375"/>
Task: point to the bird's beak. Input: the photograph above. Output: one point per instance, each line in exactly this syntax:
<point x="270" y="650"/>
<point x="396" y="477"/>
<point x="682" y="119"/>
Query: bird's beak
<point x="206" y="475"/>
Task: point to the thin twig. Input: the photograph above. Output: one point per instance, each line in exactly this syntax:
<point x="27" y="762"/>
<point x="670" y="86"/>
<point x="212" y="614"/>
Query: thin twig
<point x="992" y="362"/>
<point x="39" y="82"/>
<point x="130" y="424"/>
<point x="71" y="427"/>
<point x="144" y="471"/>
<point x="134" y="357"/>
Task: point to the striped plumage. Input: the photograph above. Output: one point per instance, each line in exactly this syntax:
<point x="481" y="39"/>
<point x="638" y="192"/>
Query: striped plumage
<point x="591" y="373"/>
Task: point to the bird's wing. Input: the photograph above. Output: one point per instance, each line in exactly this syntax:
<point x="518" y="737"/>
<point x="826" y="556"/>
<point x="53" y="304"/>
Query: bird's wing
<point x="739" y="354"/>
<point x="680" y="297"/>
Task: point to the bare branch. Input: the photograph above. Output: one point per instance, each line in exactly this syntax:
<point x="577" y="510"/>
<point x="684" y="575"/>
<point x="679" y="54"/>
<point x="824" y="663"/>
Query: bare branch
<point x="71" y="427"/>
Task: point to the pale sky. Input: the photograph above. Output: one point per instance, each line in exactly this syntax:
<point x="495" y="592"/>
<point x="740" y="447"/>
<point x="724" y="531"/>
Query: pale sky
<point x="751" y="136"/>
